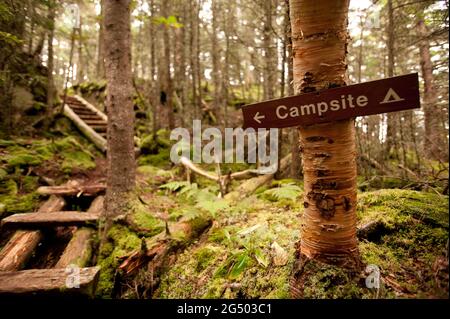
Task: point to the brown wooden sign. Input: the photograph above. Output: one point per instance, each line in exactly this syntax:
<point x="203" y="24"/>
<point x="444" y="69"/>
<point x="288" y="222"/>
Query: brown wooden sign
<point x="381" y="96"/>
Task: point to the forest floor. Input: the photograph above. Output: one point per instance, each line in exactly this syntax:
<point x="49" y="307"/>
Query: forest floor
<point x="244" y="248"/>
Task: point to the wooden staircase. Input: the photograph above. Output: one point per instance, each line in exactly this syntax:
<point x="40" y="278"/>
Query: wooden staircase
<point x="90" y="121"/>
<point x="69" y="276"/>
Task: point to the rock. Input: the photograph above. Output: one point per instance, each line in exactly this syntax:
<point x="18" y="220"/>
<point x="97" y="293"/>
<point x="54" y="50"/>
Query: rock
<point x="279" y="255"/>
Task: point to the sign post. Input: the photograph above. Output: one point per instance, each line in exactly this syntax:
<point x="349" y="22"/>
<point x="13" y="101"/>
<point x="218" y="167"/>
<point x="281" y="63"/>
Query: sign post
<point x="381" y="96"/>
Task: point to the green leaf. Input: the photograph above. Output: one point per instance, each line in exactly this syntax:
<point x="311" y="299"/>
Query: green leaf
<point x="175" y="186"/>
<point x="239" y="266"/>
<point x="261" y="258"/>
<point x="213" y="206"/>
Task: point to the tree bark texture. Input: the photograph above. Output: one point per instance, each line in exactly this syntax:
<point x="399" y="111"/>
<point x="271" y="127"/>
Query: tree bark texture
<point x="121" y="161"/>
<point x="319" y="34"/>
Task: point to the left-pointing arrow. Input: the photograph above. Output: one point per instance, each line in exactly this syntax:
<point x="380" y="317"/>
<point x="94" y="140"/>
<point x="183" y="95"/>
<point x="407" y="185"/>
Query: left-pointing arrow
<point x="258" y="117"/>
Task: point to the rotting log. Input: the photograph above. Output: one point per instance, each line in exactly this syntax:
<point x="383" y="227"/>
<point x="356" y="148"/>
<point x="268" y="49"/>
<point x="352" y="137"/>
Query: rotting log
<point x="157" y="248"/>
<point x="251" y="185"/>
<point x="79" y="249"/>
<point x="79" y="281"/>
<point x="77" y="190"/>
<point x="20" y="247"/>
<point x="89" y="132"/>
<point x="53" y="219"/>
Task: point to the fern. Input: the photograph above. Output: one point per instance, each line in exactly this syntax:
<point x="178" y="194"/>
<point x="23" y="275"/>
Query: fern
<point x="288" y="191"/>
<point x="175" y="186"/>
<point x="213" y="206"/>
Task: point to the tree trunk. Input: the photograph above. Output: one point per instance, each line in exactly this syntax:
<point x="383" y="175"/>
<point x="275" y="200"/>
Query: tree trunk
<point x="433" y="138"/>
<point x="121" y="161"/>
<point x="391" y="131"/>
<point x="80" y="65"/>
<point x="166" y="81"/>
<point x="50" y="61"/>
<point x="216" y="69"/>
<point x="270" y="53"/>
<point x="101" y="45"/>
<point x="319" y="33"/>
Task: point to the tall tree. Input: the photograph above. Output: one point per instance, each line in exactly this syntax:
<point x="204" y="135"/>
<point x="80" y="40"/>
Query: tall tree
<point x="101" y="43"/>
<point x="319" y="34"/>
<point x="432" y="141"/>
<point x="392" y="118"/>
<point x="270" y="52"/>
<point x="50" y="60"/>
<point x="121" y="161"/>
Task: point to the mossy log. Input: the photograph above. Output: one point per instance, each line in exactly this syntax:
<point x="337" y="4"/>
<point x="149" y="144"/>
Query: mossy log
<point x="156" y="249"/>
<point x="79" y="250"/>
<point x="49" y="281"/>
<point x="22" y="244"/>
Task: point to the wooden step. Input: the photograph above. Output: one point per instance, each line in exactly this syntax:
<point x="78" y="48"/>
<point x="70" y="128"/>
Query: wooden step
<point x="73" y="190"/>
<point x="79" y="250"/>
<point x="95" y="122"/>
<point x="84" y="112"/>
<point x="22" y="244"/>
<point x="50" y="281"/>
<point x="99" y="128"/>
<point x="85" y="117"/>
<point x="53" y="219"/>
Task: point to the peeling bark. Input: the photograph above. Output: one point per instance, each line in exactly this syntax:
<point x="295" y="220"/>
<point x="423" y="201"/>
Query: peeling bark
<point x="319" y="33"/>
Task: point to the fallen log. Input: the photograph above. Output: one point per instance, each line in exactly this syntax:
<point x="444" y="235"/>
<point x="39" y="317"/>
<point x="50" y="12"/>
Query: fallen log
<point x="77" y="281"/>
<point x="158" y="247"/>
<point x="20" y="247"/>
<point x="79" y="248"/>
<point x="53" y="219"/>
<point x="73" y="190"/>
<point x="251" y="185"/>
<point x="215" y="177"/>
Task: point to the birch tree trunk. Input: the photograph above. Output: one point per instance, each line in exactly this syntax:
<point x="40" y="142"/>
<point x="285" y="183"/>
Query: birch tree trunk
<point x="121" y="161"/>
<point x="320" y="37"/>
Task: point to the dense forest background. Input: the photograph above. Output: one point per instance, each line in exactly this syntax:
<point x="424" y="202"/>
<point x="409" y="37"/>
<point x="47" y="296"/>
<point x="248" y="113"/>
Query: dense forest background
<point x="204" y="59"/>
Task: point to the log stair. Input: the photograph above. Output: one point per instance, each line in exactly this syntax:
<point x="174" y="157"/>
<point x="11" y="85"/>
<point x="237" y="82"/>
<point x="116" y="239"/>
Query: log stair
<point x="88" y="119"/>
<point x="71" y="274"/>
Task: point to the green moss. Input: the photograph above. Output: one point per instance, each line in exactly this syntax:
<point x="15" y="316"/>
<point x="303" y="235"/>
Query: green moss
<point x="3" y="174"/>
<point x="122" y="241"/>
<point x="204" y="257"/>
<point x="143" y="219"/>
<point x="76" y="160"/>
<point x="23" y="158"/>
<point x="162" y="159"/>
<point x="396" y="206"/>
<point x="154" y="175"/>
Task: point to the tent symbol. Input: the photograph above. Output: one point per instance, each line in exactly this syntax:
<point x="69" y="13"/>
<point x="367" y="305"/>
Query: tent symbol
<point x="391" y="96"/>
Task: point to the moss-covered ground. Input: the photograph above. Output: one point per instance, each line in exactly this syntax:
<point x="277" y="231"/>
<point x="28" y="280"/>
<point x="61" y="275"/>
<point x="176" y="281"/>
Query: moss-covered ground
<point x="248" y="252"/>
<point x="26" y="164"/>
